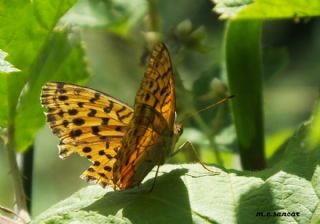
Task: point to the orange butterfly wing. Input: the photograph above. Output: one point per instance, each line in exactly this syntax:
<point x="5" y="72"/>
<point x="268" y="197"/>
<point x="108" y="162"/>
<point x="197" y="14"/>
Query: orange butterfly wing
<point x="88" y="122"/>
<point x="157" y="87"/>
<point x="149" y="136"/>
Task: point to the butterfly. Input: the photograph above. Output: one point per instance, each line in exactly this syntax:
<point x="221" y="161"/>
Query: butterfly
<point x="123" y="143"/>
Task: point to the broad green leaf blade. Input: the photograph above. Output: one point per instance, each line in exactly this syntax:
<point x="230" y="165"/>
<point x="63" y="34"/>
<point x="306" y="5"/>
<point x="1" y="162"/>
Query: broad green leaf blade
<point x="77" y="201"/>
<point x="22" y="38"/>
<point x="117" y="15"/>
<point x="244" y="70"/>
<point x="267" y="9"/>
<point x="61" y="59"/>
<point x="190" y="194"/>
<point x="83" y="217"/>
<point x="5" y="69"/>
<point x="48" y="13"/>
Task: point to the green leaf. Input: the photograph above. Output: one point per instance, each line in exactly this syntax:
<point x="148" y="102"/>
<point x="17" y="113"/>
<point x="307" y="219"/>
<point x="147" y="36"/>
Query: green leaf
<point x="5" y="69"/>
<point x="61" y="59"/>
<point x="42" y="55"/>
<point x="229" y="8"/>
<point x="266" y="9"/>
<point x="190" y="194"/>
<point x="86" y="218"/>
<point x="116" y="15"/>
<point x="23" y="39"/>
<point x="182" y="193"/>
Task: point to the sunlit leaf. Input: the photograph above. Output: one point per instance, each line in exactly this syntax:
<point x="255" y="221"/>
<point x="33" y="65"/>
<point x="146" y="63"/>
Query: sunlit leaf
<point x="190" y="194"/>
<point x="61" y="59"/>
<point x="267" y="9"/>
<point x="5" y="66"/>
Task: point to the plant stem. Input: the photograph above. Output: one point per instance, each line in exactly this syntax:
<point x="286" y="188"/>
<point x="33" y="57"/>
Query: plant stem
<point x="27" y="168"/>
<point x="16" y="175"/>
<point x="153" y="16"/>
<point x="243" y="63"/>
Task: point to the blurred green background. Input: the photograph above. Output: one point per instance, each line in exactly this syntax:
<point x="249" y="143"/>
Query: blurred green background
<point x="291" y="52"/>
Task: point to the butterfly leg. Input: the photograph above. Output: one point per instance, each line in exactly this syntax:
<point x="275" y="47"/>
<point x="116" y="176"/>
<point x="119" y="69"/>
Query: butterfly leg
<point x="154" y="180"/>
<point x="191" y="146"/>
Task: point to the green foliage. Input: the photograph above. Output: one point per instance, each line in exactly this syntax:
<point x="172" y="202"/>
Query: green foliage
<point x="5" y="68"/>
<point x="61" y="58"/>
<point x="243" y="50"/>
<point x="46" y="43"/>
<point x="41" y="54"/>
<point x="189" y="194"/>
<point x="266" y="9"/>
<point x="116" y="16"/>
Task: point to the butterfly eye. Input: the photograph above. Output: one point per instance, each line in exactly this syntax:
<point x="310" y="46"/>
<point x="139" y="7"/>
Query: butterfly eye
<point x="180" y="131"/>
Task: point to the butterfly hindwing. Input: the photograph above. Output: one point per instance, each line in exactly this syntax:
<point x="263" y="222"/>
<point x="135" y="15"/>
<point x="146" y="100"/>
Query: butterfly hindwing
<point x="87" y="122"/>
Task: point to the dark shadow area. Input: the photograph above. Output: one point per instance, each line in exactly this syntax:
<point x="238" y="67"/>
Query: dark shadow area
<point x="168" y="202"/>
<point x="252" y="203"/>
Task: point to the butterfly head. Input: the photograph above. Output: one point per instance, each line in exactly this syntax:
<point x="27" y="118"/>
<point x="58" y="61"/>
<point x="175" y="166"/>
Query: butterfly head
<point x="177" y="132"/>
<point x="178" y="129"/>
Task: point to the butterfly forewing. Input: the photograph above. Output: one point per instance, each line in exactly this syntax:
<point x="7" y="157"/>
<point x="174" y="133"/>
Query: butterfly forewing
<point x="148" y="138"/>
<point x="87" y="122"/>
<point x="157" y="87"/>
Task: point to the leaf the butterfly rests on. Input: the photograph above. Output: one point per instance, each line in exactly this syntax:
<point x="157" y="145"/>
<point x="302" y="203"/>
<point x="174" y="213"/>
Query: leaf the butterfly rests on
<point x="123" y="144"/>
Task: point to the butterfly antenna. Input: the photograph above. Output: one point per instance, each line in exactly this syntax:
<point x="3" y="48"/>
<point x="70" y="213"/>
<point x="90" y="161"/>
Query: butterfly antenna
<point x="209" y="107"/>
